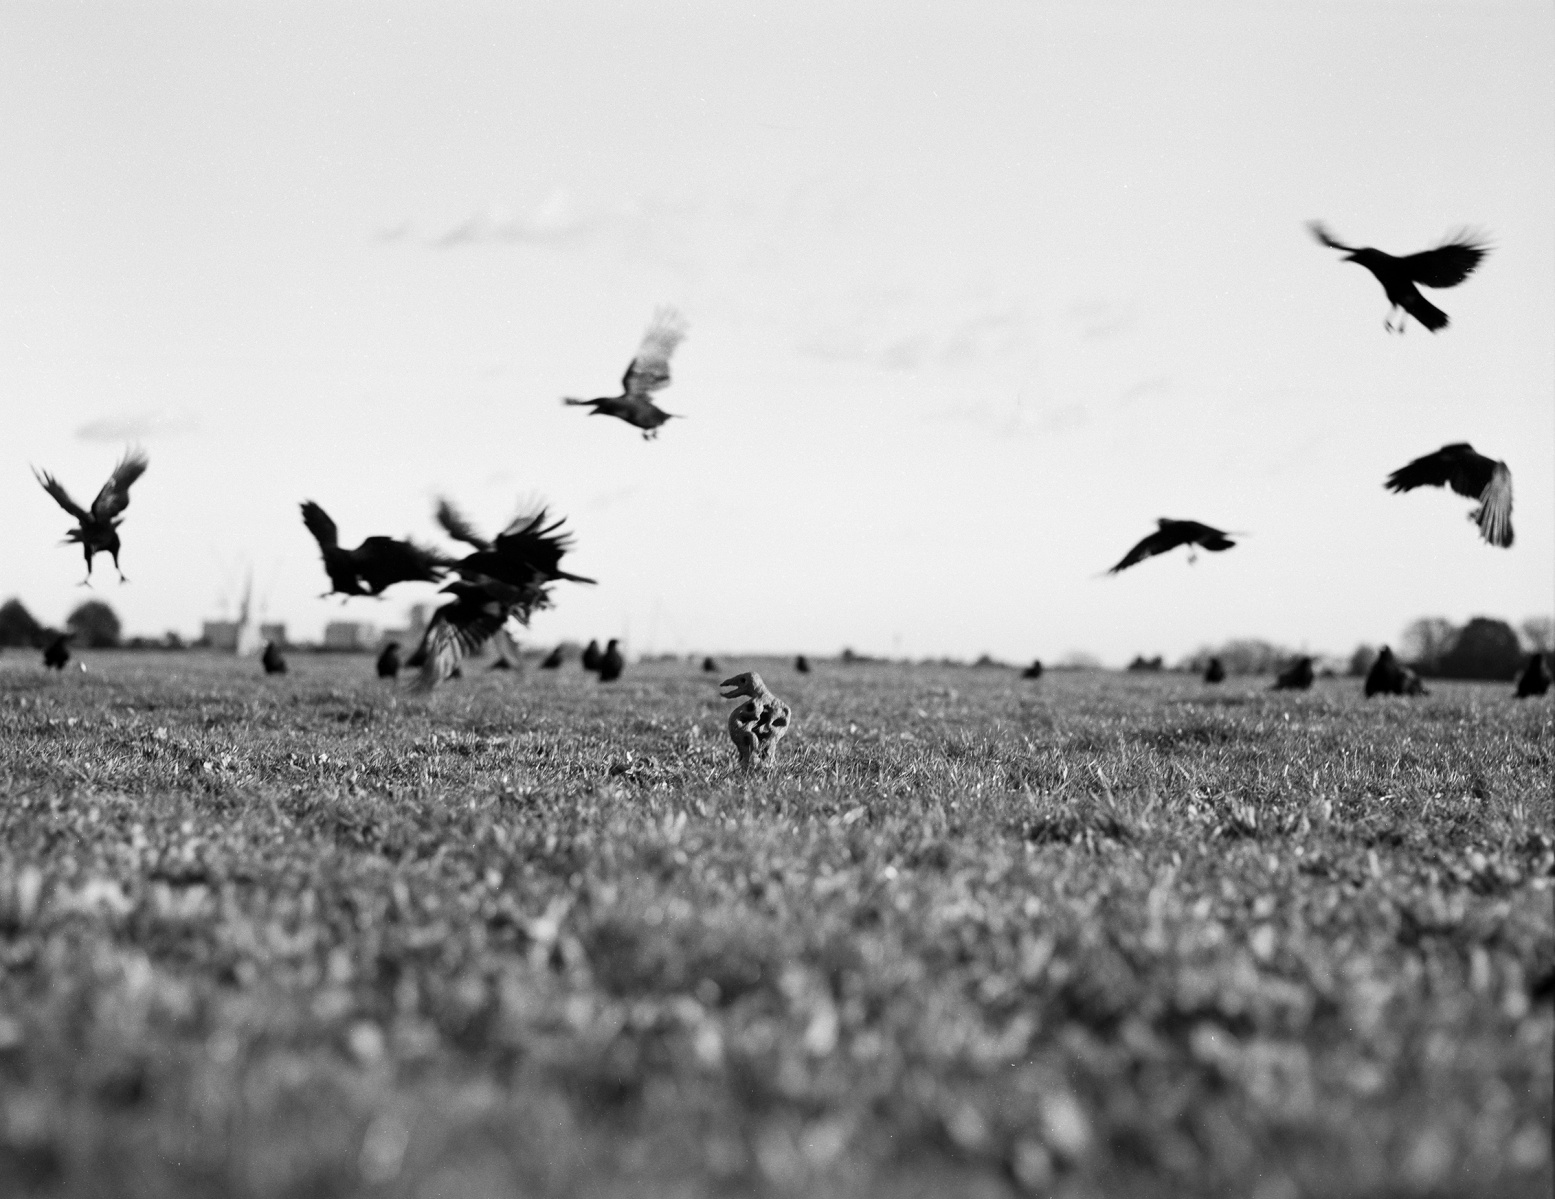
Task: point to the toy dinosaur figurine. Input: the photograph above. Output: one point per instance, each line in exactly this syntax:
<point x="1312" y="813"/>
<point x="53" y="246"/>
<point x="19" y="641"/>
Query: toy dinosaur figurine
<point x="758" y="724"/>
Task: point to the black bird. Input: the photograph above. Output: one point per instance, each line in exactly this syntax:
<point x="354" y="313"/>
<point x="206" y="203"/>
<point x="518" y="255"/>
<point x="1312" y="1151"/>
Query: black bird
<point x="802" y="664"/>
<point x="1296" y="677"/>
<point x="57" y="653"/>
<point x="1448" y="265"/>
<point x="97" y="531"/>
<point x="507" y="578"/>
<point x="1169" y="536"/>
<point x="1389" y="676"/>
<point x="1215" y="672"/>
<point x="377" y="563"/>
<point x="1474" y="475"/>
<point x="709" y="666"/>
<point x="554" y="659"/>
<point x="1034" y="671"/>
<point x="591" y="656"/>
<point x="274" y="663"/>
<point x="1535" y="678"/>
<point x="648" y="372"/>
<point x="611" y="663"/>
<point x="389" y="661"/>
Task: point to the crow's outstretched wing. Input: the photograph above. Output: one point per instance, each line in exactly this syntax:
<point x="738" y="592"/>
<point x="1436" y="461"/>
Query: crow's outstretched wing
<point x="1447" y="265"/>
<point x="1157" y="543"/>
<point x="650" y="370"/>
<point x="320" y="525"/>
<point x="383" y="561"/>
<point x="1494" y="514"/>
<point x="458" y="629"/>
<point x="1320" y="231"/>
<point x="530" y="548"/>
<point x="457" y="527"/>
<point x="114" y="498"/>
<point x="61" y="496"/>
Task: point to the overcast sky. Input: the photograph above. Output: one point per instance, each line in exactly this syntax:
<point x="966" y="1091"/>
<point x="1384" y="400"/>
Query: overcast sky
<point x="976" y="292"/>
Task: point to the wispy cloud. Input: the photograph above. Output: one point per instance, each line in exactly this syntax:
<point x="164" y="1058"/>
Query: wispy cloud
<point x="1155" y="385"/>
<point x="135" y="427"/>
<point x="866" y="337"/>
<point x="1101" y="320"/>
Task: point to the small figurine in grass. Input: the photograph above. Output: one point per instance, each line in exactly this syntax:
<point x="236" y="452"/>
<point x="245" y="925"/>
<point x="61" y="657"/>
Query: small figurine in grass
<point x="758" y="724"/>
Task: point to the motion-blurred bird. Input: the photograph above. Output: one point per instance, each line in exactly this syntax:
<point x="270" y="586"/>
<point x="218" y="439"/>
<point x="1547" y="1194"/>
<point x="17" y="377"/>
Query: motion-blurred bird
<point x="274" y="662"/>
<point x="506" y="578"/>
<point x="1480" y="478"/>
<point x="611" y="663"/>
<point x="377" y="563"/>
<point x="57" y="654"/>
<point x="1215" y="672"/>
<point x="1296" y="677"/>
<point x="389" y="661"/>
<point x="1448" y="265"/>
<point x="1169" y="536"/>
<point x="591" y="656"/>
<point x="97" y="530"/>
<point x="1389" y="676"/>
<point x="1535" y="678"/>
<point x="1034" y="671"/>
<point x="554" y="659"/>
<point x="649" y="371"/>
<point x="802" y="664"/>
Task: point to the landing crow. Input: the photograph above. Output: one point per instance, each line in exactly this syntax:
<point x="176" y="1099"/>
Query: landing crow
<point x="97" y="530"/>
<point x="1448" y="265"/>
<point x="1480" y="478"/>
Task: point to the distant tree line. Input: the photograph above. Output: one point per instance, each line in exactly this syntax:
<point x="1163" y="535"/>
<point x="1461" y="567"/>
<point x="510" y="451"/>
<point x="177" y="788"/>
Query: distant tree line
<point x="94" y="624"/>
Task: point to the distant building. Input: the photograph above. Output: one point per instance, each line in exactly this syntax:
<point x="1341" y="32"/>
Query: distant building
<point x="220" y="634"/>
<point x="349" y="635"/>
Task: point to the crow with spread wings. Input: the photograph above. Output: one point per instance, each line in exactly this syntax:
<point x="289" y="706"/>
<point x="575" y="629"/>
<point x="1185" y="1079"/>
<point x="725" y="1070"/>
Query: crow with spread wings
<point x="648" y="372"/>
<point x="97" y="530"/>
<point x="1169" y="536"/>
<point x="1474" y="475"/>
<point x="508" y="576"/>
<point x="1448" y="265"/>
<point x="377" y="563"/>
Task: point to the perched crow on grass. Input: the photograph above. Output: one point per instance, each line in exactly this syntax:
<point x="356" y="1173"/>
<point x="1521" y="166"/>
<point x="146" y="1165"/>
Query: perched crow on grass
<point x="554" y="659"/>
<point x="1296" y="677"/>
<point x="1034" y="671"/>
<point x="57" y="653"/>
<point x="97" y="530"/>
<point x="1480" y="478"/>
<point x="1388" y="676"/>
<point x="508" y="577"/>
<point x="274" y="663"/>
<point x="1448" y="265"/>
<point x="802" y="664"/>
<point x="648" y="372"/>
<point x="1169" y="536"/>
<point x="611" y="663"/>
<point x="377" y="563"/>
<point x="1215" y="672"/>
<point x="389" y="661"/>
<point x="591" y="656"/>
<point x="1535" y="678"/>
<point x="709" y="666"/>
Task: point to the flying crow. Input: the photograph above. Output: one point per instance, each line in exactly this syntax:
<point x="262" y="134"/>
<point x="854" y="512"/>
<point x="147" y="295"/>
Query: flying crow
<point x="389" y="661"/>
<point x="377" y="563"/>
<point x="1169" y="536"/>
<point x="1446" y="266"/>
<point x="648" y="372"/>
<point x="1480" y="478"/>
<point x="97" y="531"/>
<point x="1535" y="678"/>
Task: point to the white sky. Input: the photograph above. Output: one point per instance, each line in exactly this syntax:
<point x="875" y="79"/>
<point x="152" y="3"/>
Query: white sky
<point x="976" y="293"/>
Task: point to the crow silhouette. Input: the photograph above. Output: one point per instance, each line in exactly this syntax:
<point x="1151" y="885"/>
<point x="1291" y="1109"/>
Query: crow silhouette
<point x="273" y="662"/>
<point x="508" y="577"/>
<point x="611" y="662"/>
<point x="591" y="656"/>
<point x="1034" y="671"/>
<point x="1215" y="672"/>
<point x="97" y="530"/>
<point x="1169" y="536"/>
<point x="377" y="563"/>
<point x="1480" y="478"/>
<point x="709" y="666"/>
<point x="58" y="652"/>
<point x="554" y="659"/>
<point x="649" y="371"/>
<point x="1448" y="265"/>
<point x="389" y="661"/>
<point x="1388" y="676"/>
<point x="1535" y="678"/>
<point x="802" y="664"/>
<point x="1296" y="677"/>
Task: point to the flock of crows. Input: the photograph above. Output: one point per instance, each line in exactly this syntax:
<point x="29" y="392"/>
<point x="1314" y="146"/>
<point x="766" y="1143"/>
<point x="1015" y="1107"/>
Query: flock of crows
<point x="510" y="576"/>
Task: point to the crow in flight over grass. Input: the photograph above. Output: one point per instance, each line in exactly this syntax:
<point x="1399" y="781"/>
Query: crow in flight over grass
<point x="1169" y="536"/>
<point x="377" y="563"/>
<point x="1480" y="478"/>
<point x="507" y="577"/>
<point x="1446" y="266"/>
<point x="648" y="372"/>
<point x="97" y="531"/>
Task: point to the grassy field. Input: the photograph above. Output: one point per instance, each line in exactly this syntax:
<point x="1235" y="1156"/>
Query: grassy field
<point x="1096" y="935"/>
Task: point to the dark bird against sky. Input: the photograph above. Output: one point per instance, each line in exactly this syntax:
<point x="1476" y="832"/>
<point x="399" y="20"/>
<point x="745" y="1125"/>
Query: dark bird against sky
<point x="1446" y="266"/>
<point x="1169" y="536"/>
<point x="648" y="372"/>
<point x="377" y="563"/>
<point x="97" y="531"/>
<point x="1471" y="474"/>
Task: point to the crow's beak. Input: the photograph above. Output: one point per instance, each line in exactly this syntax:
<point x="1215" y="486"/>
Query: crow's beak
<point x="730" y="688"/>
